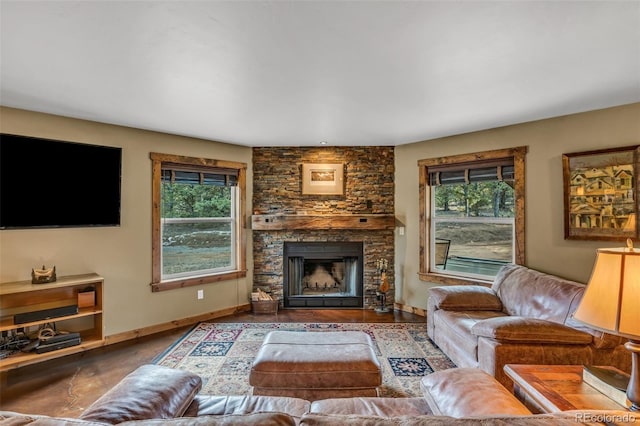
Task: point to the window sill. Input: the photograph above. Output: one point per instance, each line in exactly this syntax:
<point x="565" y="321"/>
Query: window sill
<point x="189" y="282"/>
<point x="451" y="280"/>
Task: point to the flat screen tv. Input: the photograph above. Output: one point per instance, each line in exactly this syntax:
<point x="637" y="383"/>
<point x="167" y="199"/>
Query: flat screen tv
<point x="56" y="184"/>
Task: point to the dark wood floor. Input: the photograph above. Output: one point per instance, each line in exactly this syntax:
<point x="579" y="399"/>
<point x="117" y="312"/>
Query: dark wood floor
<point x="66" y="386"/>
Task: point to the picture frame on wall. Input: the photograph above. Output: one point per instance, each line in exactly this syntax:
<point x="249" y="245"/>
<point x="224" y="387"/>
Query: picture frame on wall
<point x="322" y="179"/>
<point x="601" y="194"/>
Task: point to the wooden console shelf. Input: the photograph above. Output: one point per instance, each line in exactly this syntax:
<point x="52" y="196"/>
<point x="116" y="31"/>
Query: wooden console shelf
<point x="274" y="222"/>
<point x="23" y="297"/>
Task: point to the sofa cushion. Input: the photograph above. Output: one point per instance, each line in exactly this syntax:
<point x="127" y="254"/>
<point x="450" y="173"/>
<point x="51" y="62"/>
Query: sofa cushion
<point x="529" y="330"/>
<point x="465" y="297"/>
<point x="529" y="293"/>
<point x="453" y="334"/>
<point x="372" y="406"/>
<point x="244" y="404"/>
<point x="250" y="419"/>
<point x="462" y="392"/>
<point x="358" y="420"/>
<point x="151" y="391"/>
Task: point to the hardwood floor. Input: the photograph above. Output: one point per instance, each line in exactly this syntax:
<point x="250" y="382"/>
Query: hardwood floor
<point x="66" y="386"/>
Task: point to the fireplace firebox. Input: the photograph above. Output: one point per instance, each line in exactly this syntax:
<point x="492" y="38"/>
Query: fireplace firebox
<point x="323" y="274"/>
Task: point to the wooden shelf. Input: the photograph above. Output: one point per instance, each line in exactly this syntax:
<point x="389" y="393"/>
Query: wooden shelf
<point x="276" y="222"/>
<point x="28" y="287"/>
<point x="24" y="359"/>
<point x="23" y="297"/>
<point x="7" y="323"/>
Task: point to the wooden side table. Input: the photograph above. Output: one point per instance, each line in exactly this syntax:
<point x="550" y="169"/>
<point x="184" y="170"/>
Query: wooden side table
<point x="555" y="388"/>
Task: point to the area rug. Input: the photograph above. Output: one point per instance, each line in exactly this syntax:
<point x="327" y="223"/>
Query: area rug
<point x="222" y="353"/>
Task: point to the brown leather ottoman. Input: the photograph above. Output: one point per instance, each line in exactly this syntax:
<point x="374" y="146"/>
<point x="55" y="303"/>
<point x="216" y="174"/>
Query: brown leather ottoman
<point x="316" y="365"/>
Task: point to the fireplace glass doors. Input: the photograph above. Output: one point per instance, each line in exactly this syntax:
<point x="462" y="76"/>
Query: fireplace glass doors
<point x="323" y="274"/>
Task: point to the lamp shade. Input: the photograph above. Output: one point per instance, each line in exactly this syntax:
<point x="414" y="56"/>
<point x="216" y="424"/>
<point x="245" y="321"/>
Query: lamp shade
<point x="611" y="301"/>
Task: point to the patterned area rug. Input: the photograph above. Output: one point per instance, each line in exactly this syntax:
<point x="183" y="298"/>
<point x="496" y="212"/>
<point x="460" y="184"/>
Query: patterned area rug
<point x="222" y="353"/>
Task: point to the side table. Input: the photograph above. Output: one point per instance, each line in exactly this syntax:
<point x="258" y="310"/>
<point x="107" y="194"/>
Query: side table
<point x="555" y="388"/>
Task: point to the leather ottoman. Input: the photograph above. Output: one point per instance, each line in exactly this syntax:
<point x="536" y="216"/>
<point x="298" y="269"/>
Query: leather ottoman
<point x="316" y="365"/>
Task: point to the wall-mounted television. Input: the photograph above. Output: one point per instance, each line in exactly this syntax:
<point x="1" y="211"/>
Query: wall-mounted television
<point x="47" y="183"/>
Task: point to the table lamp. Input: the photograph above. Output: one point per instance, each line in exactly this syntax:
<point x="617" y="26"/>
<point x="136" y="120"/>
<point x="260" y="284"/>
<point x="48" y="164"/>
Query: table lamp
<point x="611" y="303"/>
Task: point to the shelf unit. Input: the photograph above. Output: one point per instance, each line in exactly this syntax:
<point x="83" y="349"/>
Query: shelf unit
<point x="23" y="296"/>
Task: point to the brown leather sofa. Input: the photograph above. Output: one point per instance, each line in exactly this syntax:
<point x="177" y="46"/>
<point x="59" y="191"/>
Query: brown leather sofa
<point x="155" y="395"/>
<point x="525" y="317"/>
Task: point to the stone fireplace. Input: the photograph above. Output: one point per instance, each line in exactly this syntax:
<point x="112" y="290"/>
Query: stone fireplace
<point x="323" y="274"/>
<point x="360" y="223"/>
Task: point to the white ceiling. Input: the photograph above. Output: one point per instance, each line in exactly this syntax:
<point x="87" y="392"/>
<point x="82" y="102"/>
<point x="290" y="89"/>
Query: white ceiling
<point x="294" y="73"/>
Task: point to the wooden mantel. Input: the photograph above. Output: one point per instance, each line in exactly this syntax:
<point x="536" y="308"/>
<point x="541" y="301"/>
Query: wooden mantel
<point x="274" y="222"/>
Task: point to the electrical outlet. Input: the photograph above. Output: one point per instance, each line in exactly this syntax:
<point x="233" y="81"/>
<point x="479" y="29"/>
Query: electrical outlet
<point x="200" y="294"/>
<point x="401" y="230"/>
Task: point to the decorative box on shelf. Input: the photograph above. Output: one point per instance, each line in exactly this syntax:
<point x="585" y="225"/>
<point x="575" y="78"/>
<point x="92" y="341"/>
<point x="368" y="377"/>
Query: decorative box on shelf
<point x="86" y="298"/>
<point x="264" y="306"/>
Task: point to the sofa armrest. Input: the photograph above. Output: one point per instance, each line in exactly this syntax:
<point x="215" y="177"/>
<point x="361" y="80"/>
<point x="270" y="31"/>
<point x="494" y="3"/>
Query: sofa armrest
<point x="151" y="391"/>
<point x="464" y="298"/>
<point x="462" y="392"/>
<point x="601" y="340"/>
<point x="529" y="330"/>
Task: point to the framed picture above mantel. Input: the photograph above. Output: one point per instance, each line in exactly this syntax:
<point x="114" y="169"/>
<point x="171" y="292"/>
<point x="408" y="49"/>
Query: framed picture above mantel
<point x="322" y="179"/>
<point x="601" y="194"/>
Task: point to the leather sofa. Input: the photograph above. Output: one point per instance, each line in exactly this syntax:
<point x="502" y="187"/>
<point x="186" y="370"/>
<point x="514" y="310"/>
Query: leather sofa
<point x="525" y="317"/>
<point x="156" y="395"/>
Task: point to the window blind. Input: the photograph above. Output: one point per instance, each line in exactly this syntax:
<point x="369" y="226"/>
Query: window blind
<point x="215" y="177"/>
<point x="493" y="170"/>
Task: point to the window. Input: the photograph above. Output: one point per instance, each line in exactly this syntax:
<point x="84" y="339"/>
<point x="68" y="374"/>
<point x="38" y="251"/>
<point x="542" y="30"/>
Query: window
<point x="198" y="206"/>
<point x="472" y="215"/>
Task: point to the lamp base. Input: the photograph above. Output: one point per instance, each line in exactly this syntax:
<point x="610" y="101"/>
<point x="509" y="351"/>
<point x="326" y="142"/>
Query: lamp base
<point x="633" y="391"/>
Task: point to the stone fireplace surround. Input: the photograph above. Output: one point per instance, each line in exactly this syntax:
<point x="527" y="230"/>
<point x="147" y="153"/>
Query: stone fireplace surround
<point x="270" y="272"/>
<point x="363" y="214"/>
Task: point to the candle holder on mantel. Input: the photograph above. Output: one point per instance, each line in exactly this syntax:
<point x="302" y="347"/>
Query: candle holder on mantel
<point x="381" y="266"/>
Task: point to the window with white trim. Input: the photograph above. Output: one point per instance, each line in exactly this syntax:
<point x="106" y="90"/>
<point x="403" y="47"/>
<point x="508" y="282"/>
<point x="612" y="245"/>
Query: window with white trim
<point x="474" y="221"/>
<point x="197" y="212"/>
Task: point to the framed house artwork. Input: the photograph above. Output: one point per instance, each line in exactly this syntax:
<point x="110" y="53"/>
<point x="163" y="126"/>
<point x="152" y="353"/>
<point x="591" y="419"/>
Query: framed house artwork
<point x="322" y="179"/>
<point x="601" y="194"/>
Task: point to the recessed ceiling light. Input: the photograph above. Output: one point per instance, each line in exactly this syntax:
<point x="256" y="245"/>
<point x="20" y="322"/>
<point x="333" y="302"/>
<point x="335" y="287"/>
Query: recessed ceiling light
<point x="323" y="142"/>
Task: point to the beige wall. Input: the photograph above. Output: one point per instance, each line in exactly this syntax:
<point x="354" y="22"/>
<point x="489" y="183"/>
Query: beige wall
<point x="546" y="248"/>
<point x="122" y="255"/>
